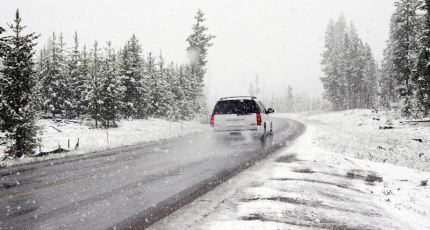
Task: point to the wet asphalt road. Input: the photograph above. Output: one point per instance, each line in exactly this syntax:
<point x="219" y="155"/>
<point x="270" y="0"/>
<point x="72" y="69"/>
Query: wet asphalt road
<point x="129" y="187"/>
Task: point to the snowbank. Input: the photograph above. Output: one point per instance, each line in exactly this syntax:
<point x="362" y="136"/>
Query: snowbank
<point x="381" y="137"/>
<point x="65" y="134"/>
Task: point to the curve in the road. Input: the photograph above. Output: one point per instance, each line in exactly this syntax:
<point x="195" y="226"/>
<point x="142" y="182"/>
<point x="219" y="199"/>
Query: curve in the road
<point x="127" y="188"/>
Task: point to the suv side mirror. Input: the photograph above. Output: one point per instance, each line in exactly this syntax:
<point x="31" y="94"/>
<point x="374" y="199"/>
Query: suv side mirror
<point x="270" y="110"/>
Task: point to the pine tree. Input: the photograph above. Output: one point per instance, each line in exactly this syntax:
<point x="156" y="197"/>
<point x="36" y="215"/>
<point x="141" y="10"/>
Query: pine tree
<point x="370" y="79"/>
<point x="158" y="85"/>
<point x="151" y="74"/>
<point x="54" y="81"/>
<point x="186" y="100"/>
<point x="333" y="63"/>
<point x="95" y="93"/>
<point x="178" y="94"/>
<point x="66" y="93"/>
<point x="422" y="76"/>
<point x="387" y="81"/>
<point x="135" y="97"/>
<point x="173" y="91"/>
<point x="163" y="94"/>
<point x="328" y="66"/>
<point x="341" y="46"/>
<point x="127" y="83"/>
<point x="82" y="84"/>
<point x="74" y="75"/>
<point x="198" y="43"/>
<point x="110" y="91"/>
<point x="17" y="90"/>
<point x="349" y="68"/>
<point x="404" y="49"/>
<point x="39" y="70"/>
<point x="354" y="69"/>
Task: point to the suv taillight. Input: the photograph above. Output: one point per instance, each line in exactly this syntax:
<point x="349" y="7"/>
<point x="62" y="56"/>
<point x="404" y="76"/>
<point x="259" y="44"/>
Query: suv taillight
<point x="258" y="119"/>
<point x="212" y="120"/>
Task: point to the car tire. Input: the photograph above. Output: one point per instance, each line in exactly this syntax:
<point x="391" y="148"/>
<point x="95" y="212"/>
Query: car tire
<point x="271" y="128"/>
<point x="265" y="129"/>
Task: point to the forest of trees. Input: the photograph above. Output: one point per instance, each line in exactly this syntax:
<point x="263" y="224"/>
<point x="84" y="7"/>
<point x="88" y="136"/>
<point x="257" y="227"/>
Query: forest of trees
<point x="99" y="83"/>
<point x="106" y="85"/>
<point x="352" y="79"/>
<point x="405" y="70"/>
<point x="350" y="70"/>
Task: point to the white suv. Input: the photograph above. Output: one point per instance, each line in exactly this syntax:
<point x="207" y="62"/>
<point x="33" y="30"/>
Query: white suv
<point x="239" y="115"/>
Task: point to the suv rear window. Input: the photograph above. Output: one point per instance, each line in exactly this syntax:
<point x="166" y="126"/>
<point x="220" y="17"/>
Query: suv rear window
<point x="235" y="107"/>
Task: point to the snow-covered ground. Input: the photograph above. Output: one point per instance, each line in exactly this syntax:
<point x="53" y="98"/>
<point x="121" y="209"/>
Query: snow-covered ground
<point x="363" y="134"/>
<point x="60" y="133"/>
<point x="314" y="185"/>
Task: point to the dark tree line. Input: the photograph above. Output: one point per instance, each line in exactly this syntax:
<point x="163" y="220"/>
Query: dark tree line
<point x="99" y="82"/>
<point x="405" y="74"/>
<point x="350" y="70"/>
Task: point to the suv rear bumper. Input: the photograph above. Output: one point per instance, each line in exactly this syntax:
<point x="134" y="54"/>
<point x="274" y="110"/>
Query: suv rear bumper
<point x="243" y="135"/>
<point x="258" y="131"/>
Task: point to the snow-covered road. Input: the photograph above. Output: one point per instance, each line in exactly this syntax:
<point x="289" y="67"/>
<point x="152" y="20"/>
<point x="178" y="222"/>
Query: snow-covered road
<point x="126" y="187"/>
<point x="307" y="187"/>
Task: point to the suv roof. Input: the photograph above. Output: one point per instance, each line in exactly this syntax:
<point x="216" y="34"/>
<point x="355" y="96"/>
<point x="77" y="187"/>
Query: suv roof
<point x="238" y="97"/>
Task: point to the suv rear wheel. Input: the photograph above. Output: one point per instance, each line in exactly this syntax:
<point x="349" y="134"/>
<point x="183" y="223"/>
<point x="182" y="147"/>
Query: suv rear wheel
<point x="271" y="128"/>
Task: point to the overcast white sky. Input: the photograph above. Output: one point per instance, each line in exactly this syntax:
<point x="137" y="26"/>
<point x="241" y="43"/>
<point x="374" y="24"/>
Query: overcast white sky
<point x="280" y="40"/>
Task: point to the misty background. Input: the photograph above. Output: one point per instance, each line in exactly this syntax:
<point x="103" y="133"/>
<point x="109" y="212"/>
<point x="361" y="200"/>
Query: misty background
<point x="280" y="41"/>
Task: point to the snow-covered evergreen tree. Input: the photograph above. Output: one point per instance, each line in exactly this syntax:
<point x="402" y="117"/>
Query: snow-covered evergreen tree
<point x="349" y="68"/>
<point x="95" y="91"/>
<point x="178" y="94"/>
<point x="111" y="90"/>
<point x="165" y="98"/>
<point x="17" y="90"/>
<point x="135" y="98"/>
<point x="66" y="94"/>
<point x="185" y="100"/>
<point x="198" y="43"/>
<point x="82" y="84"/>
<point x="370" y="79"/>
<point x="76" y="79"/>
<point x="173" y="88"/>
<point x="40" y="69"/>
<point x="404" y="49"/>
<point x="387" y="81"/>
<point x="55" y="85"/>
<point x="422" y="76"/>
<point x="354" y="69"/>
<point x="155" y="72"/>
<point x="333" y="63"/>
